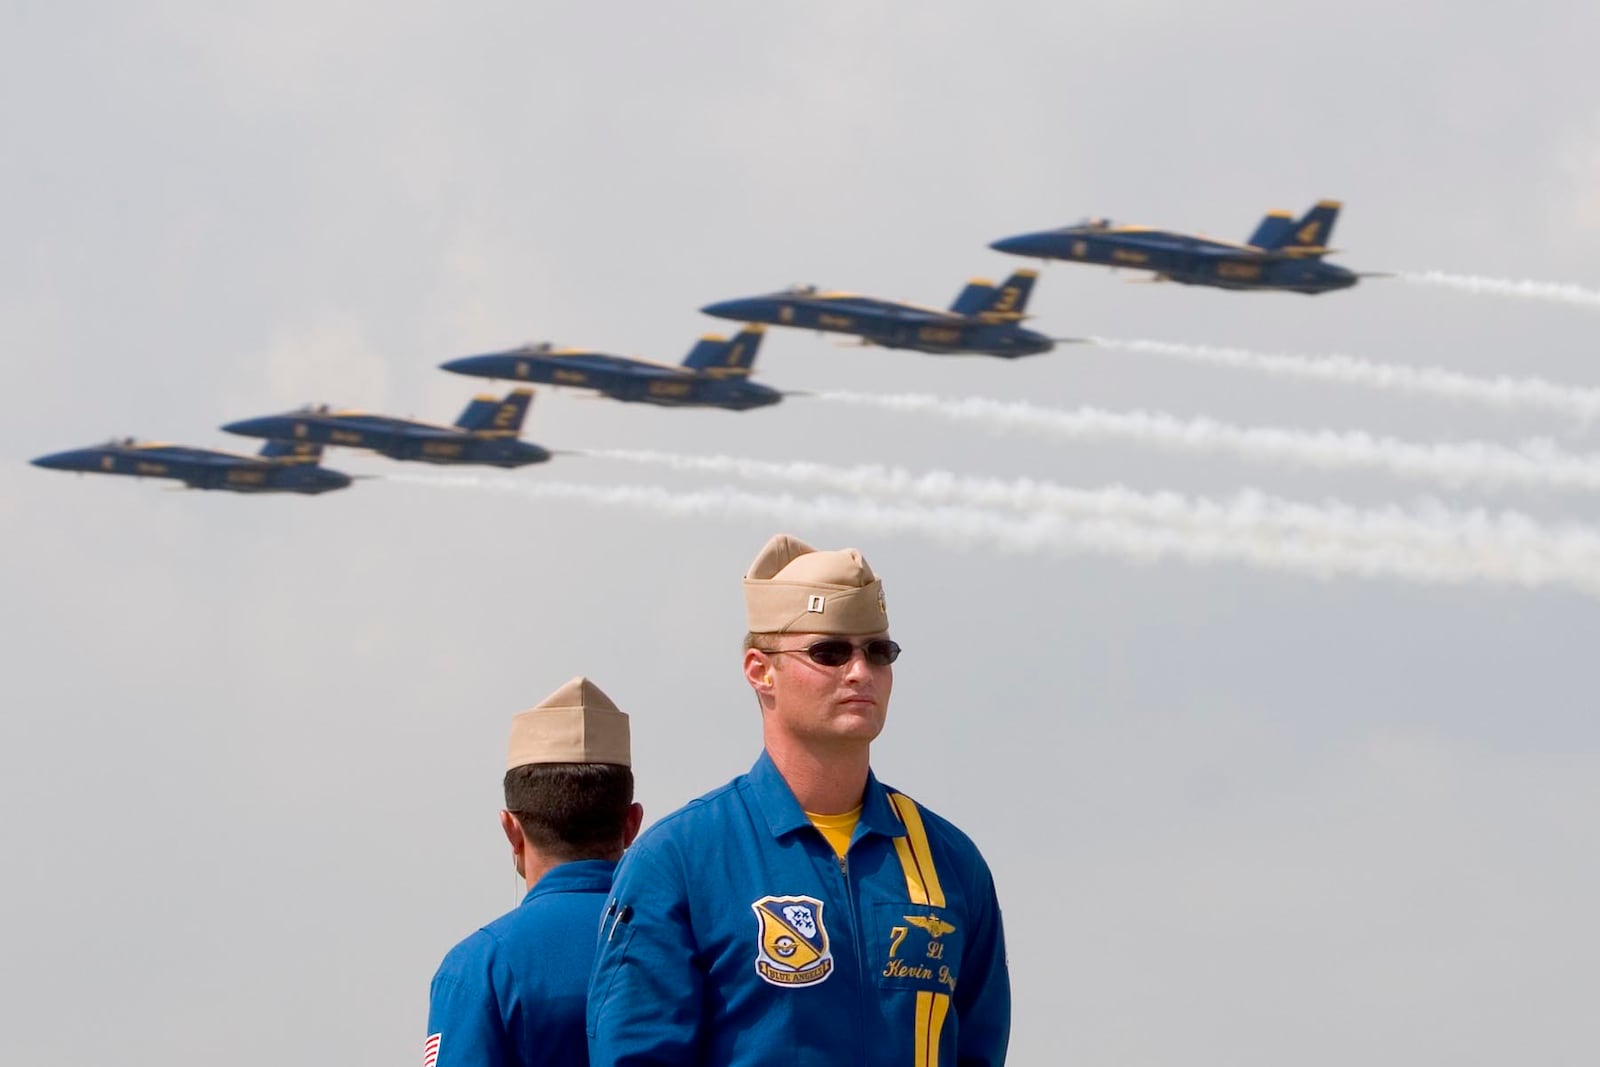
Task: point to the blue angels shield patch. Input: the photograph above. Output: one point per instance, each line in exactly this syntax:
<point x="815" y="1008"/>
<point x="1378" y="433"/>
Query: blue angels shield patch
<point x="791" y="942"/>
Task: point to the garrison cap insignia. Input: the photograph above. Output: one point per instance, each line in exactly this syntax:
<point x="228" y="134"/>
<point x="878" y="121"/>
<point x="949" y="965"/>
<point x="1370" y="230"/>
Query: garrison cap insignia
<point x="791" y="942"/>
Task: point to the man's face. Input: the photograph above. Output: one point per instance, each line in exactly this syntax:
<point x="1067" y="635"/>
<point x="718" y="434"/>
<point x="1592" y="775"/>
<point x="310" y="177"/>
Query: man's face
<point x="817" y="703"/>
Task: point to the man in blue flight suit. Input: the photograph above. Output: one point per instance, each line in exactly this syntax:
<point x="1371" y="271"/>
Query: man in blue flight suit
<point x="804" y="914"/>
<point x="513" y="993"/>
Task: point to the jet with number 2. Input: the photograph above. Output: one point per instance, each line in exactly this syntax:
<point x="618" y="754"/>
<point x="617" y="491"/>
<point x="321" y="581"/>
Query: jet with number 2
<point x="984" y="320"/>
<point x="716" y="373"/>
<point x="1283" y="253"/>
<point x="282" y="466"/>
<point x="486" y="433"/>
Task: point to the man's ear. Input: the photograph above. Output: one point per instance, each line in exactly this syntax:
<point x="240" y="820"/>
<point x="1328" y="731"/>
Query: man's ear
<point x="631" y="823"/>
<point x="513" y="831"/>
<point x="758" y="670"/>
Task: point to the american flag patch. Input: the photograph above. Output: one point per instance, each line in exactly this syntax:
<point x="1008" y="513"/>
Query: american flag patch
<point x="430" y="1050"/>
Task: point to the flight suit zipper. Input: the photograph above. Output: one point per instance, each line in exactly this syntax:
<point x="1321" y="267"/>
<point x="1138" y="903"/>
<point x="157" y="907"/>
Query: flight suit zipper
<point x="861" y="953"/>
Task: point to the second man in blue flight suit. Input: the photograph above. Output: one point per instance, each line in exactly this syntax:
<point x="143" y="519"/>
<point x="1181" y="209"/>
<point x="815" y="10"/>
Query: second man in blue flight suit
<point x="804" y="914"/>
<point x="512" y="994"/>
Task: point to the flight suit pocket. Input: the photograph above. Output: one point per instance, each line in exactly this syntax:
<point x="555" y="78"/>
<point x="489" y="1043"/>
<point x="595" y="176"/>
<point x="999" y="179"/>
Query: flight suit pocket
<point x="916" y="946"/>
<point x="616" y="932"/>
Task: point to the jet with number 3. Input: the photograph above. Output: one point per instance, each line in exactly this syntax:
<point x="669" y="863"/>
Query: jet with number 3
<point x="716" y="373"/>
<point x="984" y="320"/>
<point x="486" y="433"/>
<point x="1284" y="252"/>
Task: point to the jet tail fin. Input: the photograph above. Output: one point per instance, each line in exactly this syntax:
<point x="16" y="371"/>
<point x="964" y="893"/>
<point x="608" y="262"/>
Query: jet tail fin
<point x="1009" y="302"/>
<point x="492" y="415"/>
<point x="1274" y="230"/>
<point x="978" y="295"/>
<point x="1002" y="302"/>
<point x="719" y="356"/>
<point x="1312" y="231"/>
<point x="302" y="451"/>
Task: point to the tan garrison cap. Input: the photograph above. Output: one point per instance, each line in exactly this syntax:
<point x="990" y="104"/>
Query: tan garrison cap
<point x="575" y="724"/>
<point x="793" y="588"/>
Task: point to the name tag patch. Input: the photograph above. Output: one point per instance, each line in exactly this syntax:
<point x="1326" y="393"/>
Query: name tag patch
<point x="919" y="947"/>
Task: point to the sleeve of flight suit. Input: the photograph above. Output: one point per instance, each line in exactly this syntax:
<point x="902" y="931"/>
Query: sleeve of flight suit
<point x="983" y="996"/>
<point x="645" y="994"/>
<point x="464" y="1022"/>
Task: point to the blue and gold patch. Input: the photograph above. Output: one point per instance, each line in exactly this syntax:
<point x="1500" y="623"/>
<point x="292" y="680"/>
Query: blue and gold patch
<point x="791" y="942"/>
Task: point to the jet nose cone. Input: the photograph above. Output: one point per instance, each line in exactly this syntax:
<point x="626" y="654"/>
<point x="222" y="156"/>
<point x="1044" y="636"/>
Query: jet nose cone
<point x="1024" y="244"/>
<point x="465" y="364"/>
<point x="744" y="308"/>
<point x="335" y="479"/>
<point x="60" y="461"/>
<point x="249" y="427"/>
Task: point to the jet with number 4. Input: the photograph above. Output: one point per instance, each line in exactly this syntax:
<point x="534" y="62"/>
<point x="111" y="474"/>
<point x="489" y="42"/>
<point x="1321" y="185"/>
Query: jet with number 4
<point x="282" y="466"/>
<point x="984" y="320"/>
<point x="716" y="373"/>
<point x="1283" y="253"/>
<point x="486" y="433"/>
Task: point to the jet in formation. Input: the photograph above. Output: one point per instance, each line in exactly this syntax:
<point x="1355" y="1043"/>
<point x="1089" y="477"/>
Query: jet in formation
<point x="1283" y="253"/>
<point x="985" y="318"/>
<point x="486" y="433"/>
<point x="282" y="466"/>
<point x="716" y="373"/>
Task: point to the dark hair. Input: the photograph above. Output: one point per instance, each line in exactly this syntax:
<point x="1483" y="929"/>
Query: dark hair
<point x="761" y="642"/>
<point x="572" y="811"/>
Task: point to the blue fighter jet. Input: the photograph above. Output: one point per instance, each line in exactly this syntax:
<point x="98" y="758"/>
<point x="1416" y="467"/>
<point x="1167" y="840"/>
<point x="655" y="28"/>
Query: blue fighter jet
<point x="1283" y="253"/>
<point x="984" y="318"/>
<point x="282" y="466"/>
<point x="716" y="372"/>
<point x="485" y="433"/>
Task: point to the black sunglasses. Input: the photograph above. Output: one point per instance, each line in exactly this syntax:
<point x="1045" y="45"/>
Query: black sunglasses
<point x="836" y="651"/>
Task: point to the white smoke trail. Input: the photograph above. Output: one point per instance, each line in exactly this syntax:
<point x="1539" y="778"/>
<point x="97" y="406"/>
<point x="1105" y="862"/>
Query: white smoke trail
<point x="1522" y="289"/>
<point x="1250" y="511"/>
<point x="1508" y="550"/>
<point x="1538" y="463"/>
<point x="1531" y="394"/>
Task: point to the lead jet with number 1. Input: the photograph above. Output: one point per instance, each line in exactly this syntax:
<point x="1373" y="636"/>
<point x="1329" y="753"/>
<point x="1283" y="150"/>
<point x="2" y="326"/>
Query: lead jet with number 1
<point x="984" y="320"/>
<point x="1284" y="252"/>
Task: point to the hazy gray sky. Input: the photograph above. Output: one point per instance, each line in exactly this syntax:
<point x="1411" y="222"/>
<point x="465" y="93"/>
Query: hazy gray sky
<point x="251" y="753"/>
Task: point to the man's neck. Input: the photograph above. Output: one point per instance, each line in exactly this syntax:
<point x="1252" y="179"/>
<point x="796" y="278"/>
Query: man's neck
<point x="824" y="782"/>
<point x="535" y="865"/>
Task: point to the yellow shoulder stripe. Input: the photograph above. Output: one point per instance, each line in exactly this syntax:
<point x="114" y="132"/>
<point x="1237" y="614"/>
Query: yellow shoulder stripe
<point x="922" y="881"/>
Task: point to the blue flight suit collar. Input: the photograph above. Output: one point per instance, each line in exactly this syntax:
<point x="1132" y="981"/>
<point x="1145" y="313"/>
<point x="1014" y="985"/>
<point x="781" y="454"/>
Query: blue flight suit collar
<point x="784" y="815"/>
<point x="578" y="876"/>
